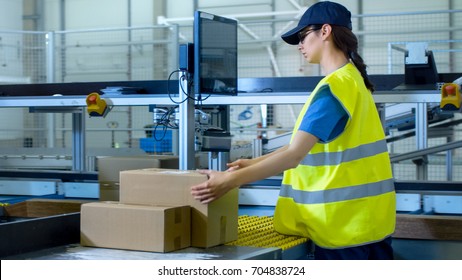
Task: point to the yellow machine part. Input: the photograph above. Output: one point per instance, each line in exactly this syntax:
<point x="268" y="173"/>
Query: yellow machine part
<point x="95" y="105"/>
<point x="450" y="97"/>
<point x="256" y="231"/>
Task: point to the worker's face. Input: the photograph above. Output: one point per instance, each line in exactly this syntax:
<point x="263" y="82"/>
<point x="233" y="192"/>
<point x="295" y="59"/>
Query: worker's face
<point x="310" y="44"/>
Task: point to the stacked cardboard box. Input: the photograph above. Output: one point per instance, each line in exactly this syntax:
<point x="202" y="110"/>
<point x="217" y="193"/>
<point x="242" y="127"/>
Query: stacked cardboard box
<point x="110" y="167"/>
<point x="135" y="227"/>
<point x="211" y="224"/>
<point x="141" y="220"/>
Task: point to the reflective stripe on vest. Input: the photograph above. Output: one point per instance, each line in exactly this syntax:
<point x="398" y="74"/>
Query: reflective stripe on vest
<point x="336" y="158"/>
<point x="339" y="194"/>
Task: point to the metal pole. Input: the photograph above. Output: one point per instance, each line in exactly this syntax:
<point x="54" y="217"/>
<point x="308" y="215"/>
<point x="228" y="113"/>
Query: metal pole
<point x="421" y="124"/>
<point x="129" y="54"/>
<point x="175" y="144"/>
<point x="174" y="47"/>
<point x="360" y="27"/>
<point x="381" y="109"/>
<point x="129" y="70"/>
<point x="257" y="147"/>
<point x="218" y="160"/>
<point x="186" y="128"/>
<point x="452" y="61"/>
<point x="78" y="142"/>
<point x="62" y="50"/>
<point x="449" y="160"/>
<point x="50" y="76"/>
<point x="390" y="59"/>
<point x="50" y="57"/>
<point x="51" y="133"/>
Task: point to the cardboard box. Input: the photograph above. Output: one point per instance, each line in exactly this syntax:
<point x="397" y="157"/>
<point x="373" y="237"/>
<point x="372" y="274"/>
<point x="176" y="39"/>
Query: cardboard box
<point x="431" y="227"/>
<point x="110" y="167"/>
<point x="39" y="207"/>
<point x="211" y="224"/>
<point x="135" y="227"/>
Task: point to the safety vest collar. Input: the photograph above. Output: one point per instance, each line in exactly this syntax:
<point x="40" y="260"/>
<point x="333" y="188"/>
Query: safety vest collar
<point x="336" y="158"/>
<point x="338" y="194"/>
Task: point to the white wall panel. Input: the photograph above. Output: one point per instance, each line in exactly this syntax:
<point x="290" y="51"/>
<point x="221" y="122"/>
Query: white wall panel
<point x="180" y="8"/>
<point x="11" y="17"/>
<point x="52" y="15"/>
<point x="88" y="14"/>
<point x="398" y="6"/>
<point x="142" y="12"/>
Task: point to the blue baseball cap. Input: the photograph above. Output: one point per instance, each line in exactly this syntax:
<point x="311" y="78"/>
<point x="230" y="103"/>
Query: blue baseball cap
<point x="320" y="13"/>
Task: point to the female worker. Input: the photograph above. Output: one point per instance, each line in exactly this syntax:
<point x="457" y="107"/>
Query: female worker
<point x="337" y="187"/>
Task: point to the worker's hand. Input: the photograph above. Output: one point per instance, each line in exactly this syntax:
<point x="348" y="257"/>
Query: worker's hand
<point x="238" y="164"/>
<point x="215" y="187"/>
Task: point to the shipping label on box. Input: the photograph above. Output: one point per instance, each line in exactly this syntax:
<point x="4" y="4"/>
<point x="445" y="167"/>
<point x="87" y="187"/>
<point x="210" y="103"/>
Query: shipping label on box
<point x="135" y="227"/>
<point x="212" y="224"/>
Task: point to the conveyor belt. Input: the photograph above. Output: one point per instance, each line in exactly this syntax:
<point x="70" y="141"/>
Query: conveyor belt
<point x="256" y="240"/>
<point x="255" y="231"/>
<point x="267" y="245"/>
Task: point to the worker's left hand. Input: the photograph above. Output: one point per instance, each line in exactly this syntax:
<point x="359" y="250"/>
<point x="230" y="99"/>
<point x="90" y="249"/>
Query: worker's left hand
<point x="238" y="164"/>
<point x="215" y="187"/>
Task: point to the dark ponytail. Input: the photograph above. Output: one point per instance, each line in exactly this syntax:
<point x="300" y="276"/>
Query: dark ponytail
<point x="346" y="41"/>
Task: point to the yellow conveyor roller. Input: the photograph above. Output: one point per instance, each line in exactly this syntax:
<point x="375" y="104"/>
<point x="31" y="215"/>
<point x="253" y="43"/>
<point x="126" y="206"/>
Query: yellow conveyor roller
<point x="258" y="231"/>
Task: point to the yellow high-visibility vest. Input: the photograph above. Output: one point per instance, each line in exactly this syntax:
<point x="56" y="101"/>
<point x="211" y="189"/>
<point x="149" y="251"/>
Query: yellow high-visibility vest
<point x="342" y="193"/>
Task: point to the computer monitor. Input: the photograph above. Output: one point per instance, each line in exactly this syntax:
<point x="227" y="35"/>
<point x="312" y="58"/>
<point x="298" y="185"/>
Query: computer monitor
<point x="215" y="55"/>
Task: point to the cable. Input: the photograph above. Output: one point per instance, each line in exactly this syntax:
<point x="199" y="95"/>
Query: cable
<point x="163" y="135"/>
<point x="182" y="78"/>
<point x="186" y="92"/>
<point x="170" y="112"/>
<point x="164" y="122"/>
<point x="200" y="100"/>
<point x="168" y="88"/>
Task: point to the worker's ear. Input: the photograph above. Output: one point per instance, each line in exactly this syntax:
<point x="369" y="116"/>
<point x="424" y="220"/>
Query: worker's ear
<point x="326" y="30"/>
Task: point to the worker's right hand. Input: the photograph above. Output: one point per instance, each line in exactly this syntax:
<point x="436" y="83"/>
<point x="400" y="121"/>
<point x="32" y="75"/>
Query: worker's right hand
<point x="238" y="164"/>
<point x="217" y="185"/>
